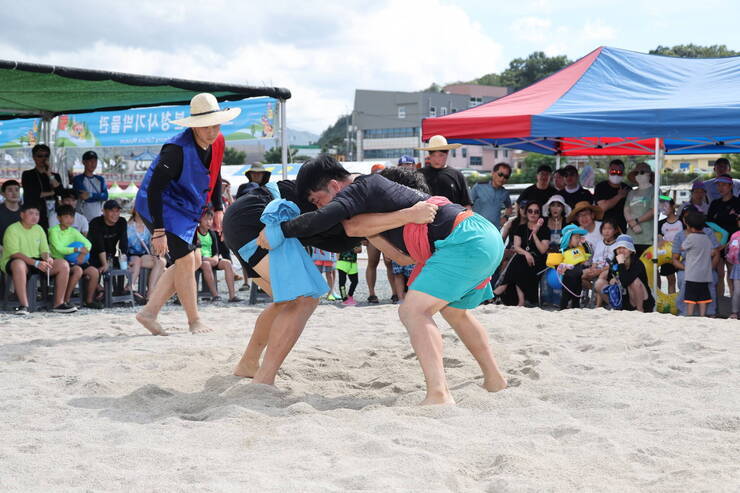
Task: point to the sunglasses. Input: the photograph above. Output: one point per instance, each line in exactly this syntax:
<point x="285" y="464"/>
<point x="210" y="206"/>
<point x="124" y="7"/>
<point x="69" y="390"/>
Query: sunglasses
<point x="533" y="211"/>
<point x="642" y="172"/>
<point x="502" y="175"/>
<point x="42" y="156"/>
<point x="617" y="172"/>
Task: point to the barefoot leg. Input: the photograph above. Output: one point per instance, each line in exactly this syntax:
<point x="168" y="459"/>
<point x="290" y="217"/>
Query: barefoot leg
<point x="285" y="331"/>
<point x="416" y="314"/>
<point x="250" y="361"/>
<point x="475" y="338"/>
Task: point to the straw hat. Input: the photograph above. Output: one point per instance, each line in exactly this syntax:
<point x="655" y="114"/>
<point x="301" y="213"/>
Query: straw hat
<point x="204" y="112"/>
<point x="438" y="143"/>
<point x="583" y="205"/>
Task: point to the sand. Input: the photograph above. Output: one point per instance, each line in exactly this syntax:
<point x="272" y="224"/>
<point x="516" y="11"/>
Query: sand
<point x="598" y="401"/>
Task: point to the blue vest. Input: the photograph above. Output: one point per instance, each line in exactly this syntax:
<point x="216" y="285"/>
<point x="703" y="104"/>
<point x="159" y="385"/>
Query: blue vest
<point x="183" y="200"/>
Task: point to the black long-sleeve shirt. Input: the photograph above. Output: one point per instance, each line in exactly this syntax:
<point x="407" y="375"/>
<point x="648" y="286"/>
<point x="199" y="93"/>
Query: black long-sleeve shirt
<point x="105" y="238"/>
<point x="169" y="169"/>
<point x="447" y="182"/>
<point x="371" y="193"/>
<point x="34" y="184"/>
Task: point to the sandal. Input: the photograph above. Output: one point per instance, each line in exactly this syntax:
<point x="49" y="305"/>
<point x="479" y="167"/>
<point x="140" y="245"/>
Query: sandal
<point x="372" y="299"/>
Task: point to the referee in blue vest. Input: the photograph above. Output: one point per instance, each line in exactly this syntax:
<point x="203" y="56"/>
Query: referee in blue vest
<point x="183" y="180"/>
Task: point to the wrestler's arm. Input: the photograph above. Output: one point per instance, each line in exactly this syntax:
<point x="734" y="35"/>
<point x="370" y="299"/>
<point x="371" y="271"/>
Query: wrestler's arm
<point x="371" y="224"/>
<point x="390" y="251"/>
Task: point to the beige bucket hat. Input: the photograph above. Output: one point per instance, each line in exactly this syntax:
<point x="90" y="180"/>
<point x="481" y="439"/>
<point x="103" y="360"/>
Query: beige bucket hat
<point x="438" y="143"/>
<point x="204" y="112"/>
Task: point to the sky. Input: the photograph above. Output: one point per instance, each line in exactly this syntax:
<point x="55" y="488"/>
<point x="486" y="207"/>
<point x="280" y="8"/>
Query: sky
<point x="323" y="51"/>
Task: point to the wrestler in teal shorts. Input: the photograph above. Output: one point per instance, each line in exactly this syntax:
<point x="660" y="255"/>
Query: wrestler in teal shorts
<point x="460" y="262"/>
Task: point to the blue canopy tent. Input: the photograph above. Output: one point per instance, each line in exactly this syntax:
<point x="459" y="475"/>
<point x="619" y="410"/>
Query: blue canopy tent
<point x="612" y="102"/>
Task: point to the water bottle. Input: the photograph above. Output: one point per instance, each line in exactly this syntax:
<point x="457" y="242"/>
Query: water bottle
<point x="123" y="261"/>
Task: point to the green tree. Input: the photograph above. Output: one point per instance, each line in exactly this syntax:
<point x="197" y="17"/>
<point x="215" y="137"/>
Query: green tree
<point x="275" y="155"/>
<point x="528" y="173"/>
<point x="335" y="136"/>
<point x="523" y="72"/>
<point x="233" y="156"/>
<point x="694" y="51"/>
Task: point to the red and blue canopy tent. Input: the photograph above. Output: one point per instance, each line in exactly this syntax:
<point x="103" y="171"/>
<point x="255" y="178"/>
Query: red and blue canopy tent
<point x="612" y="102"/>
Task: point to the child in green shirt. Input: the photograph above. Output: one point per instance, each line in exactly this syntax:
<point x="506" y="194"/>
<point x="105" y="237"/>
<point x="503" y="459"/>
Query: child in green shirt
<point x="211" y="259"/>
<point x="25" y="250"/>
<point x="61" y="237"/>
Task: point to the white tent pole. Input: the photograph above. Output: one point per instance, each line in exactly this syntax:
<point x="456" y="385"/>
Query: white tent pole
<point x="284" y="138"/>
<point x="557" y="161"/>
<point x="656" y="212"/>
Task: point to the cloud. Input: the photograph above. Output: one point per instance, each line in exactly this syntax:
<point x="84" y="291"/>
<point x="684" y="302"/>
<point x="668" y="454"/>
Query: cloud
<point x="532" y="29"/>
<point x="596" y="30"/>
<point x="322" y="53"/>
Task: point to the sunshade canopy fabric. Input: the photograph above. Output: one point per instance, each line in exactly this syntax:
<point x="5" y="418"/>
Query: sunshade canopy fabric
<point x="31" y="90"/>
<point x="612" y="101"/>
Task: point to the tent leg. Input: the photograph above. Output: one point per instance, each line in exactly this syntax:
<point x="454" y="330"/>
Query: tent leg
<point x="557" y="161"/>
<point x="656" y="202"/>
<point x="284" y="138"/>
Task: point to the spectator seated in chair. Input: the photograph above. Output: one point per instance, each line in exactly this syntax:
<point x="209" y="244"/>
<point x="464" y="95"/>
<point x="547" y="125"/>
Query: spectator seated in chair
<point x="108" y="236"/>
<point x="211" y="259"/>
<point x="26" y="251"/>
<point x="10" y="209"/>
<point x="140" y="255"/>
<point x="69" y="245"/>
<point x="69" y="197"/>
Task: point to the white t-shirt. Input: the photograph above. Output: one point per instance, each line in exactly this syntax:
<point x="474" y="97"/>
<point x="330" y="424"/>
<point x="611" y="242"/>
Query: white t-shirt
<point x="603" y="253"/>
<point x="594" y="236"/>
<point x="81" y="223"/>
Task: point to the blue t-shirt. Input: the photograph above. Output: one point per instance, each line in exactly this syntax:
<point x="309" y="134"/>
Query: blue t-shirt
<point x="135" y="239"/>
<point x="489" y="202"/>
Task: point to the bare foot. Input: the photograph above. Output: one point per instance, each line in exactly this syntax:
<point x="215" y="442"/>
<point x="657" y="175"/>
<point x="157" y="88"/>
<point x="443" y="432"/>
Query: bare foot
<point x="150" y="322"/>
<point x="438" y="398"/>
<point x="246" y="368"/>
<point x="198" y="327"/>
<point x="495" y="383"/>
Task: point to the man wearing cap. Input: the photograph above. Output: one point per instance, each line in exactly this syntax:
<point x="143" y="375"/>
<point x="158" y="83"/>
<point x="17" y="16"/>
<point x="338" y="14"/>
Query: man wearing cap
<point x="611" y="194"/>
<point x="91" y="188"/>
<point x="541" y="191"/>
<point x="257" y="175"/>
<point x="40" y="186"/>
<point x="491" y="200"/>
<point x="406" y="161"/>
<point x="443" y="180"/>
<point x="721" y="167"/>
<point x="108" y="235"/>
<point x="574" y="192"/>
<point x="183" y="180"/>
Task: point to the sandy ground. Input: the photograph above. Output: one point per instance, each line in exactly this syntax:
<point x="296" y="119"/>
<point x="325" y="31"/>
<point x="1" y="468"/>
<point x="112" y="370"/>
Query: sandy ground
<point x="598" y="400"/>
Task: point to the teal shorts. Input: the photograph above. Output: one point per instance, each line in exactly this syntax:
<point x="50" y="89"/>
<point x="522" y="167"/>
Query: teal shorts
<point x="460" y="262"/>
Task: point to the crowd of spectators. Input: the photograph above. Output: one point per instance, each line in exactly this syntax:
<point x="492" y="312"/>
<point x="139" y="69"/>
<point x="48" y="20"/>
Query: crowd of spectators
<point x="565" y="245"/>
<point x="614" y="224"/>
<point x="68" y="235"/>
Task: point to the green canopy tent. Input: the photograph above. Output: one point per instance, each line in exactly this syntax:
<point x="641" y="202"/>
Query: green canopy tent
<point x="29" y="90"/>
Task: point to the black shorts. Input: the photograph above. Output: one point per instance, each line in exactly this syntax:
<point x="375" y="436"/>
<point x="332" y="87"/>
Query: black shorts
<point x="241" y="225"/>
<point x="81" y="266"/>
<point x="177" y="247"/>
<point x="667" y="270"/>
<point x="32" y="269"/>
<point x="696" y="293"/>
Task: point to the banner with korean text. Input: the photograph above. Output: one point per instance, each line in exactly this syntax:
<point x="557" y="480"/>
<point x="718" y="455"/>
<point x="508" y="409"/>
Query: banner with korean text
<point x="152" y="126"/>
